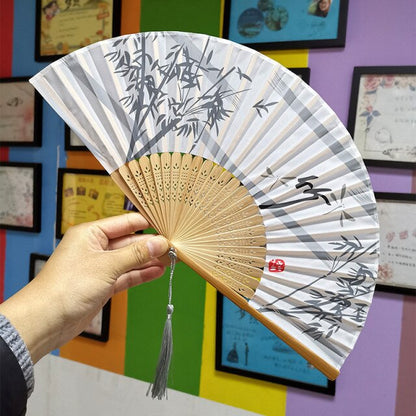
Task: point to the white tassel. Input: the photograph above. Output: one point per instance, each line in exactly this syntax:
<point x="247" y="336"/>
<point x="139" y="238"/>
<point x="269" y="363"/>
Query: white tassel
<point x="159" y="386"/>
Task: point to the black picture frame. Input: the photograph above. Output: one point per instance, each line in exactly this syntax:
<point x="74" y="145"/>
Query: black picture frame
<point x="397" y="265"/>
<point x="47" y="11"/>
<point x="379" y="123"/>
<point x="99" y="328"/>
<point x="20" y="97"/>
<point x="20" y="210"/>
<point x="37" y="261"/>
<point x="303" y="73"/>
<point x="253" y="23"/>
<point x="233" y="324"/>
<point x="72" y="142"/>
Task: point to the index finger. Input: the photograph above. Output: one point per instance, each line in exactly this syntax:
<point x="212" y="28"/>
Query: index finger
<point x="120" y="225"/>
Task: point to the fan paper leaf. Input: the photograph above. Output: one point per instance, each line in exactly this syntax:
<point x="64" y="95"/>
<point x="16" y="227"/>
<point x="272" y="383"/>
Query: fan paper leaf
<point x="243" y="167"/>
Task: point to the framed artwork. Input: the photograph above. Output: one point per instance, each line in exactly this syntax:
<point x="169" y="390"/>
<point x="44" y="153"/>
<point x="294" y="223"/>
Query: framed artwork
<point x="20" y="196"/>
<point x="286" y="24"/>
<point x="37" y="261"/>
<point x="63" y="26"/>
<point x="72" y="141"/>
<point x="304" y="73"/>
<point x="382" y="117"/>
<point x="397" y="264"/>
<point x="86" y="195"/>
<point x="99" y="327"/>
<point x="20" y="113"/>
<point x="247" y="348"/>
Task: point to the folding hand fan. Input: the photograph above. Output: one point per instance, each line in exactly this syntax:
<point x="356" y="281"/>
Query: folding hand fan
<point x="242" y="167"/>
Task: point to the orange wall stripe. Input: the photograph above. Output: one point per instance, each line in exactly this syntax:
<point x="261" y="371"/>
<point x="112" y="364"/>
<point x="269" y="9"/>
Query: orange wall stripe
<point x="130" y="16"/>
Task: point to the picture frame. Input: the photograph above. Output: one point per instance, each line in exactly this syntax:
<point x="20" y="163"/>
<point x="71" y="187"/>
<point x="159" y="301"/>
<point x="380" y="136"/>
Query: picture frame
<point x="99" y="328"/>
<point x="63" y="26"/>
<point x="247" y="348"/>
<point x="20" y="113"/>
<point x="86" y="195"/>
<point x="381" y="116"/>
<point x="72" y="141"/>
<point x="397" y="264"/>
<point x="303" y="73"/>
<point x="20" y="196"/>
<point x="287" y="24"/>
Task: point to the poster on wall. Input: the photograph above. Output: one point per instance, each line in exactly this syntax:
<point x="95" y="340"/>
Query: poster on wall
<point x="286" y="24"/>
<point x="86" y="195"/>
<point x="246" y="347"/>
<point x="397" y="265"/>
<point x="63" y="26"/>
<point x="20" y="196"/>
<point x="382" y="116"/>
<point x="20" y="113"/>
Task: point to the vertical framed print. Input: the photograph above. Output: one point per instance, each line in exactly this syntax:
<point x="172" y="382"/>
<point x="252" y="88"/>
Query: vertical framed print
<point x="397" y="265"/>
<point x="63" y="26"/>
<point x="72" y="141"/>
<point x="286" y="24"/>
<point x="246" y="347"/>
<point x="382" y="116"/>
<point x="37" y="261"/>
<point x="20" y="113"/>
<point x="20" y="196"/>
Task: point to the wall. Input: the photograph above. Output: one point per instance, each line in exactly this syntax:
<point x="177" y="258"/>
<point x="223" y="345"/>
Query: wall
<point x="382" y="365"/>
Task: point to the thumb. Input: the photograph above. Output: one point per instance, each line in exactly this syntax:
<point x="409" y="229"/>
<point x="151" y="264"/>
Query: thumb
<point x="139" y="253"/>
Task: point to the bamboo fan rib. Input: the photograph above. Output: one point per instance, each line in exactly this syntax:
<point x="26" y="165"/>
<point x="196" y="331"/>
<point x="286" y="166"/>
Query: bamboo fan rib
<point x="243" y="167"/>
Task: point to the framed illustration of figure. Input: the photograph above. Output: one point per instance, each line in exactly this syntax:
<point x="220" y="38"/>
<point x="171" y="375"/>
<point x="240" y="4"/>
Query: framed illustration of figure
<point x="20" y="113"/>
<point x="382" y="116"/>
<point x="63" y="26"/>
<point x="247" y="348"/>
<point x="286" y="24"/>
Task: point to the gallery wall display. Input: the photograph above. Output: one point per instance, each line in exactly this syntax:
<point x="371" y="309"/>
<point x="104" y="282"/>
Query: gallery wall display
<point x="20" y="196"/>
<point x="382" y="117"/>
<point x="99" y="327"/>
<point x="20" y="113"/>
<point x="86" y="195"/>
<point x="397" y="267"/>
<point x="286" y="24"/>
<point x="65" y="26"/>
<point x="245" y="347"/>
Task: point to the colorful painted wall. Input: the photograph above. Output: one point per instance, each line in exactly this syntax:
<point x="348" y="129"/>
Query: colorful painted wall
<point x="379" y="376"/>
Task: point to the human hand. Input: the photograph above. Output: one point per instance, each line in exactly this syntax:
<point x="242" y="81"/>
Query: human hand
<point x="93" y="262"/>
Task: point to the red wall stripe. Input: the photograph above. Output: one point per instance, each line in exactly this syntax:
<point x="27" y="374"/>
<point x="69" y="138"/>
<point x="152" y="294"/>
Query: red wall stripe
<point x="6" y="39"/>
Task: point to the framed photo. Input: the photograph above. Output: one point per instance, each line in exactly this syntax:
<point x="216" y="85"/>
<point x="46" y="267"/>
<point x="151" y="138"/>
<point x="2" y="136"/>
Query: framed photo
<point x="286" y="24"/>
<point x="247" y="348"/>
<point x="99" y="327"/>
<point x="37" y="261"/>
<point x="20" y="196"/>
<point x="63" y="26"/>
<point x="397" y="264"/>
<point x="20" y="113"/>
<point x="72" y="141"/>
<point x="382" y="117"/>
<point x="303" y="73"/>
<point x="86" y="195"/>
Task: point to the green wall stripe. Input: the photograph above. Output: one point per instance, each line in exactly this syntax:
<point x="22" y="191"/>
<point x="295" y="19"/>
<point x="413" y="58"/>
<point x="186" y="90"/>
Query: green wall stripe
<point x="145" y="321"/>
<point x="200" y="16"/>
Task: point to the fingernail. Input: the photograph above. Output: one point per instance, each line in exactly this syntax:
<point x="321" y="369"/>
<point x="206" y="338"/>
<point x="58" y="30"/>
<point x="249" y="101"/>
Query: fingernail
<point x="157" y="246"/>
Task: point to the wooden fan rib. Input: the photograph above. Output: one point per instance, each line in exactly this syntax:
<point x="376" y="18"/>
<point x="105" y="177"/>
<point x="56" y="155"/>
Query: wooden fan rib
<point x="226" y="260"/>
